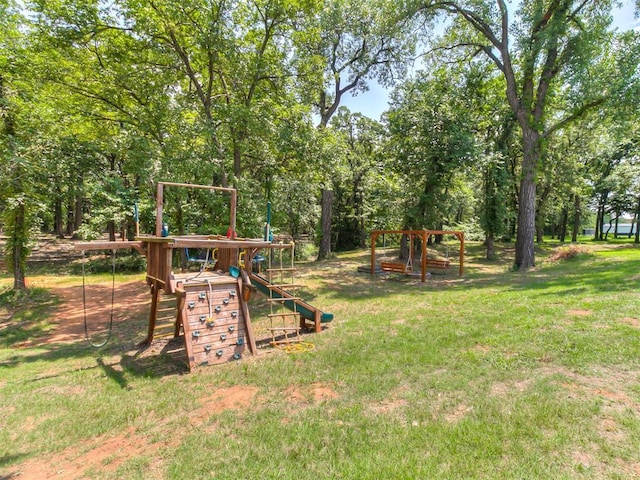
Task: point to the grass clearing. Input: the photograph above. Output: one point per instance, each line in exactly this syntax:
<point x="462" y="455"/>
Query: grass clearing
<point x="495" y="375"/>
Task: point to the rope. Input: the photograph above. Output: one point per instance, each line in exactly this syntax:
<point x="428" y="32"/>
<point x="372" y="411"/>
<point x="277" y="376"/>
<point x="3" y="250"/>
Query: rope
<point x="298" y="347"/>
<point x="84" y="302"/>
<point x="210" y="298"/>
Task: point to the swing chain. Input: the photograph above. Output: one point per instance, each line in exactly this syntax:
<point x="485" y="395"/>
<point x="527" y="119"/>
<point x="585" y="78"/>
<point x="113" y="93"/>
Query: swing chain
<point x="84" y="301"/>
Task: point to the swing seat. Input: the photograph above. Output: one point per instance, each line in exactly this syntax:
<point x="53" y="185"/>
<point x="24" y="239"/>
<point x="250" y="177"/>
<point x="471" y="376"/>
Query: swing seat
<point x="201" y="257"/>
<point x="438" y="263"/>
<point x="393" y="267"/>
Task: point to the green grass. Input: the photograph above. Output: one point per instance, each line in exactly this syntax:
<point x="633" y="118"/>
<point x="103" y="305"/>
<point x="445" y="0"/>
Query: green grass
<point x="498" y="374"/>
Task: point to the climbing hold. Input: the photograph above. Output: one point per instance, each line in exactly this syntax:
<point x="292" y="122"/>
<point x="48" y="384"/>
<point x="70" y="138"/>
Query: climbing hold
<point x="225" y="301"/>
<point x="232" y="293"/>
<point x="223" y="337"/>
<point x="231" y="328"/>
<point x="196" y="334"/>
<point x="203" y="318"/>
<point x="207" y="348"/>
<point x="234" y="314"/>
<point x="218" y="308"/>
<point x="237" y="356"/>
<point x="240" y="341"/>
<point x="211" y="324"/>
<point x="219" y="353"/>
<point x="202" y="295"/>
<point x="191" y="305"/>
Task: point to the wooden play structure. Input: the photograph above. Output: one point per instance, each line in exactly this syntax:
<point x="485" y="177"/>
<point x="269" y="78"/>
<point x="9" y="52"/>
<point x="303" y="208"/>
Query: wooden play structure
<point x="424" y="261"/>
<point x="211" y="309"/>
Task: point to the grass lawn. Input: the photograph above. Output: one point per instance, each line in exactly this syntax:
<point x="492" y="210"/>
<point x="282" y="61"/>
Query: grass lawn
<point x="496" y="375"/>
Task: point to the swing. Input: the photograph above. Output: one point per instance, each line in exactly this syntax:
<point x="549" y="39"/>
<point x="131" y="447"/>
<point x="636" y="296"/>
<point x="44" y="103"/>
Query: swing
<point x="84" y="301"/>
<point x="393" y="266"/>
<point x="210" y="258"/>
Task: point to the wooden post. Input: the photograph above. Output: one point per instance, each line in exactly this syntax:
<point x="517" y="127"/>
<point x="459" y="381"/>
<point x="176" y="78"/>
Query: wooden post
<point x="159" y="209"/>
<point x="155" y="292"/>
<point x="316" y="321"/>
<point x="461" y="238"/>
<point x="247" y="318"/>
<point x="181" y="315"/>
<point x="232" y="213"/>
<point x="423" y="261"/>
<point x="374" y="237"/>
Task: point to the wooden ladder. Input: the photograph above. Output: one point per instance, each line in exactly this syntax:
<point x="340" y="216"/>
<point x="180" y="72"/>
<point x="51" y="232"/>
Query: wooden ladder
<point x="284" y="324"/>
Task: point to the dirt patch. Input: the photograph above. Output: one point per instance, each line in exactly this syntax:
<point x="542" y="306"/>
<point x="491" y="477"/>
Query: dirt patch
<point x="457" y="413"/>
<point x="610" y="431"/>
<point x="634" y="322"/>
<point x="131" y="299"/>
<point x="104" y="453"/>
<point x="312" y="394"/>
<point x="502" y="389"/>
<point x="388" y="406"/>
<point x="478" y="348"/>
<point x="579" y="313"/>
<point x="232" y="398"/>
<point x="107" y="453"/>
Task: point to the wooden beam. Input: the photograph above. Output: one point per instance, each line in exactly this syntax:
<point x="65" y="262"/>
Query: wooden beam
<point x="106" y="245"/>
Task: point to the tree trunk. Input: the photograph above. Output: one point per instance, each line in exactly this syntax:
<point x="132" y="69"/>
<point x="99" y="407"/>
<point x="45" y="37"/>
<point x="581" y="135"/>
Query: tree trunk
<point x="70" y="217"/>
<point x="18" y="254"/>
<point x="325" y="222"/>
<point x="111" y="228"/>
<point x="576" y="218"/>
<point x="637" y="239"/>
<point x="489" y="242"/>
<point x="58" y="221"/>
<point x="16" y="246"/>
<point x="525" y="253"/>
<point x="563" y="225"/>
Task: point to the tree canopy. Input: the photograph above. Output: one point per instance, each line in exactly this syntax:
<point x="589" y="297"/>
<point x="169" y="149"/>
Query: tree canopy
<point x="506" y="120"/>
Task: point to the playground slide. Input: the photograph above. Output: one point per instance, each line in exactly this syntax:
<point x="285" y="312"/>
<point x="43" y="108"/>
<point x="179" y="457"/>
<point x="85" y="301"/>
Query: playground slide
<point x="306" y="311"/>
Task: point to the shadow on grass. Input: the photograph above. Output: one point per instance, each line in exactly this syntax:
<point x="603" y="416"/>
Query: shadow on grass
<point x="162" y="358"/>
<point x="595" y="272"/>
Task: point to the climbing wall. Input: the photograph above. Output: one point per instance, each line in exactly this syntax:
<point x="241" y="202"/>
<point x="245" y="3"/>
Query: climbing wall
<point x="216" y="323"/>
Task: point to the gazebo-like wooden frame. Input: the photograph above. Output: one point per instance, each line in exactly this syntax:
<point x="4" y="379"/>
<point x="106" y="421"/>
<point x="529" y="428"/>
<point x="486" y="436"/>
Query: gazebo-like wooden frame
<point x="424" y="236"/>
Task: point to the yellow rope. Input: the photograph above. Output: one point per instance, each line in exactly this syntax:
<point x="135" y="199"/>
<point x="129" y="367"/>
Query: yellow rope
<point x="298" y="347"/>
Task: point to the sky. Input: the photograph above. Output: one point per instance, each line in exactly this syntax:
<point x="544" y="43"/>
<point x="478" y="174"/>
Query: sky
<point x="375" y="101"/>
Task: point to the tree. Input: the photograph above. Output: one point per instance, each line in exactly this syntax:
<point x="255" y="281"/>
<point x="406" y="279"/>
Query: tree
<point x="345" y="45"/>
<point x="544" y="55"/>
<point x="431" y="141"/>
<point x="355" y="177"/>
<point x="14" y="185"/>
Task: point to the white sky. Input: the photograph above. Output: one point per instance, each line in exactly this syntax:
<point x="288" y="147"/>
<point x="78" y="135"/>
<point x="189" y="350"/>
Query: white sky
<point x="374" y="102"/>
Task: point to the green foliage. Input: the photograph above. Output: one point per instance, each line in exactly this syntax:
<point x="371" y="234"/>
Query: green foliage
<point x="431" y="142"/>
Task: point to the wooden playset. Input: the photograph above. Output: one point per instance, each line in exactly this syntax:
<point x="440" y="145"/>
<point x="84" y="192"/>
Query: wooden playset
<point x="424" y="261"/>
<point x="211" y="309"/>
